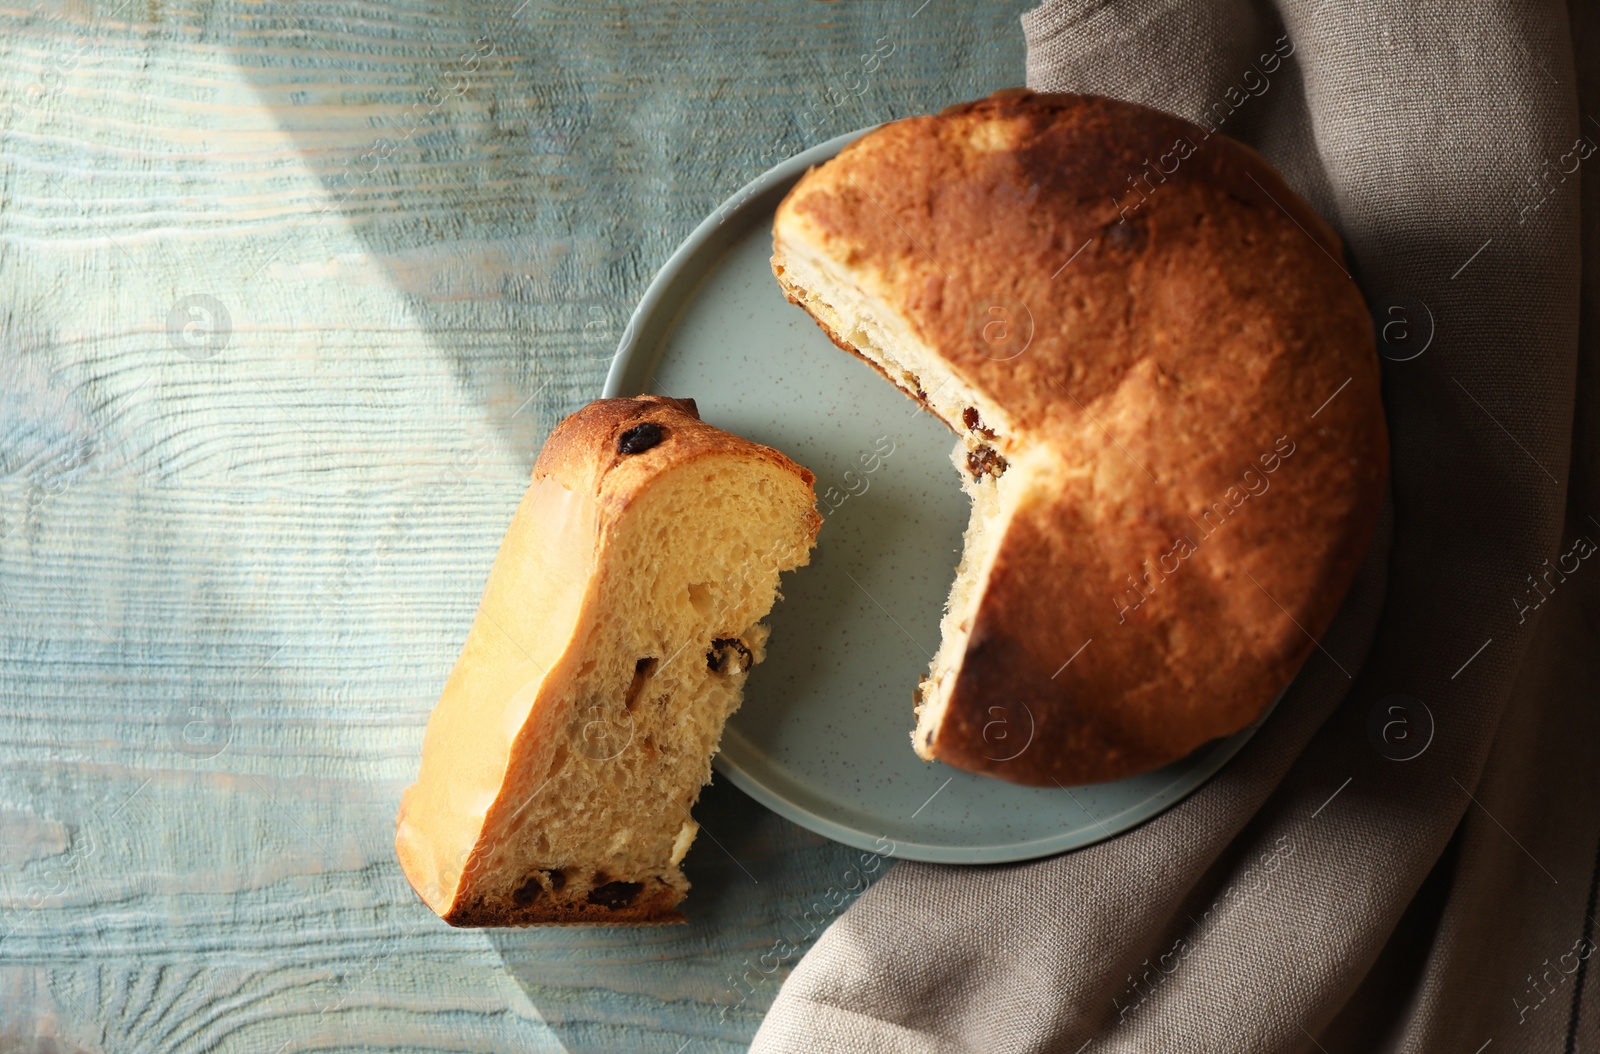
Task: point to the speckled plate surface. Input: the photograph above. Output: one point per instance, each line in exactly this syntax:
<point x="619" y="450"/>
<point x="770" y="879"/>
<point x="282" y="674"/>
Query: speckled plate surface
<point x="824" y="736"/>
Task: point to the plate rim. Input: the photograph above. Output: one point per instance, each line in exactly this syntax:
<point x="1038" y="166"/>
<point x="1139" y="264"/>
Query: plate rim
<point x="653" y="318"/>
<point x="647" y="317"/>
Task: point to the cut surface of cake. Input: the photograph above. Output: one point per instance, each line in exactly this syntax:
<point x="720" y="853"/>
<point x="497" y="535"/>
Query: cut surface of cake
<point x="617" y="628"/>
<point x="1168" y="403"/>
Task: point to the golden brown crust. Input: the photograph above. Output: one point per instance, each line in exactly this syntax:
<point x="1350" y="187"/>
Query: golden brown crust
<point x="1203" y="322"/>
<point x="656" y="904"/>
<point x="582" y="451"/>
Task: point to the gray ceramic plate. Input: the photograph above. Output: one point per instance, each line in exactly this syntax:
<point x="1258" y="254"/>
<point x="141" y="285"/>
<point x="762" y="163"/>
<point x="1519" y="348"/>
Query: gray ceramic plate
<point x="824" y="736"/>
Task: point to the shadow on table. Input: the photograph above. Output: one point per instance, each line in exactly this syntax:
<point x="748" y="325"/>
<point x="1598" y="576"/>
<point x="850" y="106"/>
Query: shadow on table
<point x="519" y="172"/>
<point x="755" y="875"/>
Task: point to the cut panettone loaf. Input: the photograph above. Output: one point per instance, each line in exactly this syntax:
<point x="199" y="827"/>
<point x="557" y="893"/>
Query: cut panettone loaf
<point x="1167" y="397"/>
<point x="616" y="630"/>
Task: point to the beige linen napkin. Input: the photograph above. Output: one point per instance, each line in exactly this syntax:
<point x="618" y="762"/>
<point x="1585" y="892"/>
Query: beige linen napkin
<point x="1405" y="857"/>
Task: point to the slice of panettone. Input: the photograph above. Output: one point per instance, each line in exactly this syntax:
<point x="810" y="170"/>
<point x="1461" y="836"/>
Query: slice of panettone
<point x="616" y="630"/>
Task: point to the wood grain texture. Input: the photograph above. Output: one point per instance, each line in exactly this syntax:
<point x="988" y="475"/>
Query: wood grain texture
<point x="292" y="293"/>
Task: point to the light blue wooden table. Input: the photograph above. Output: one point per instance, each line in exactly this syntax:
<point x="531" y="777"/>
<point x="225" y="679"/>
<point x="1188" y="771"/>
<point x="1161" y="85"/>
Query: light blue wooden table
<point x="291" y="294"/>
